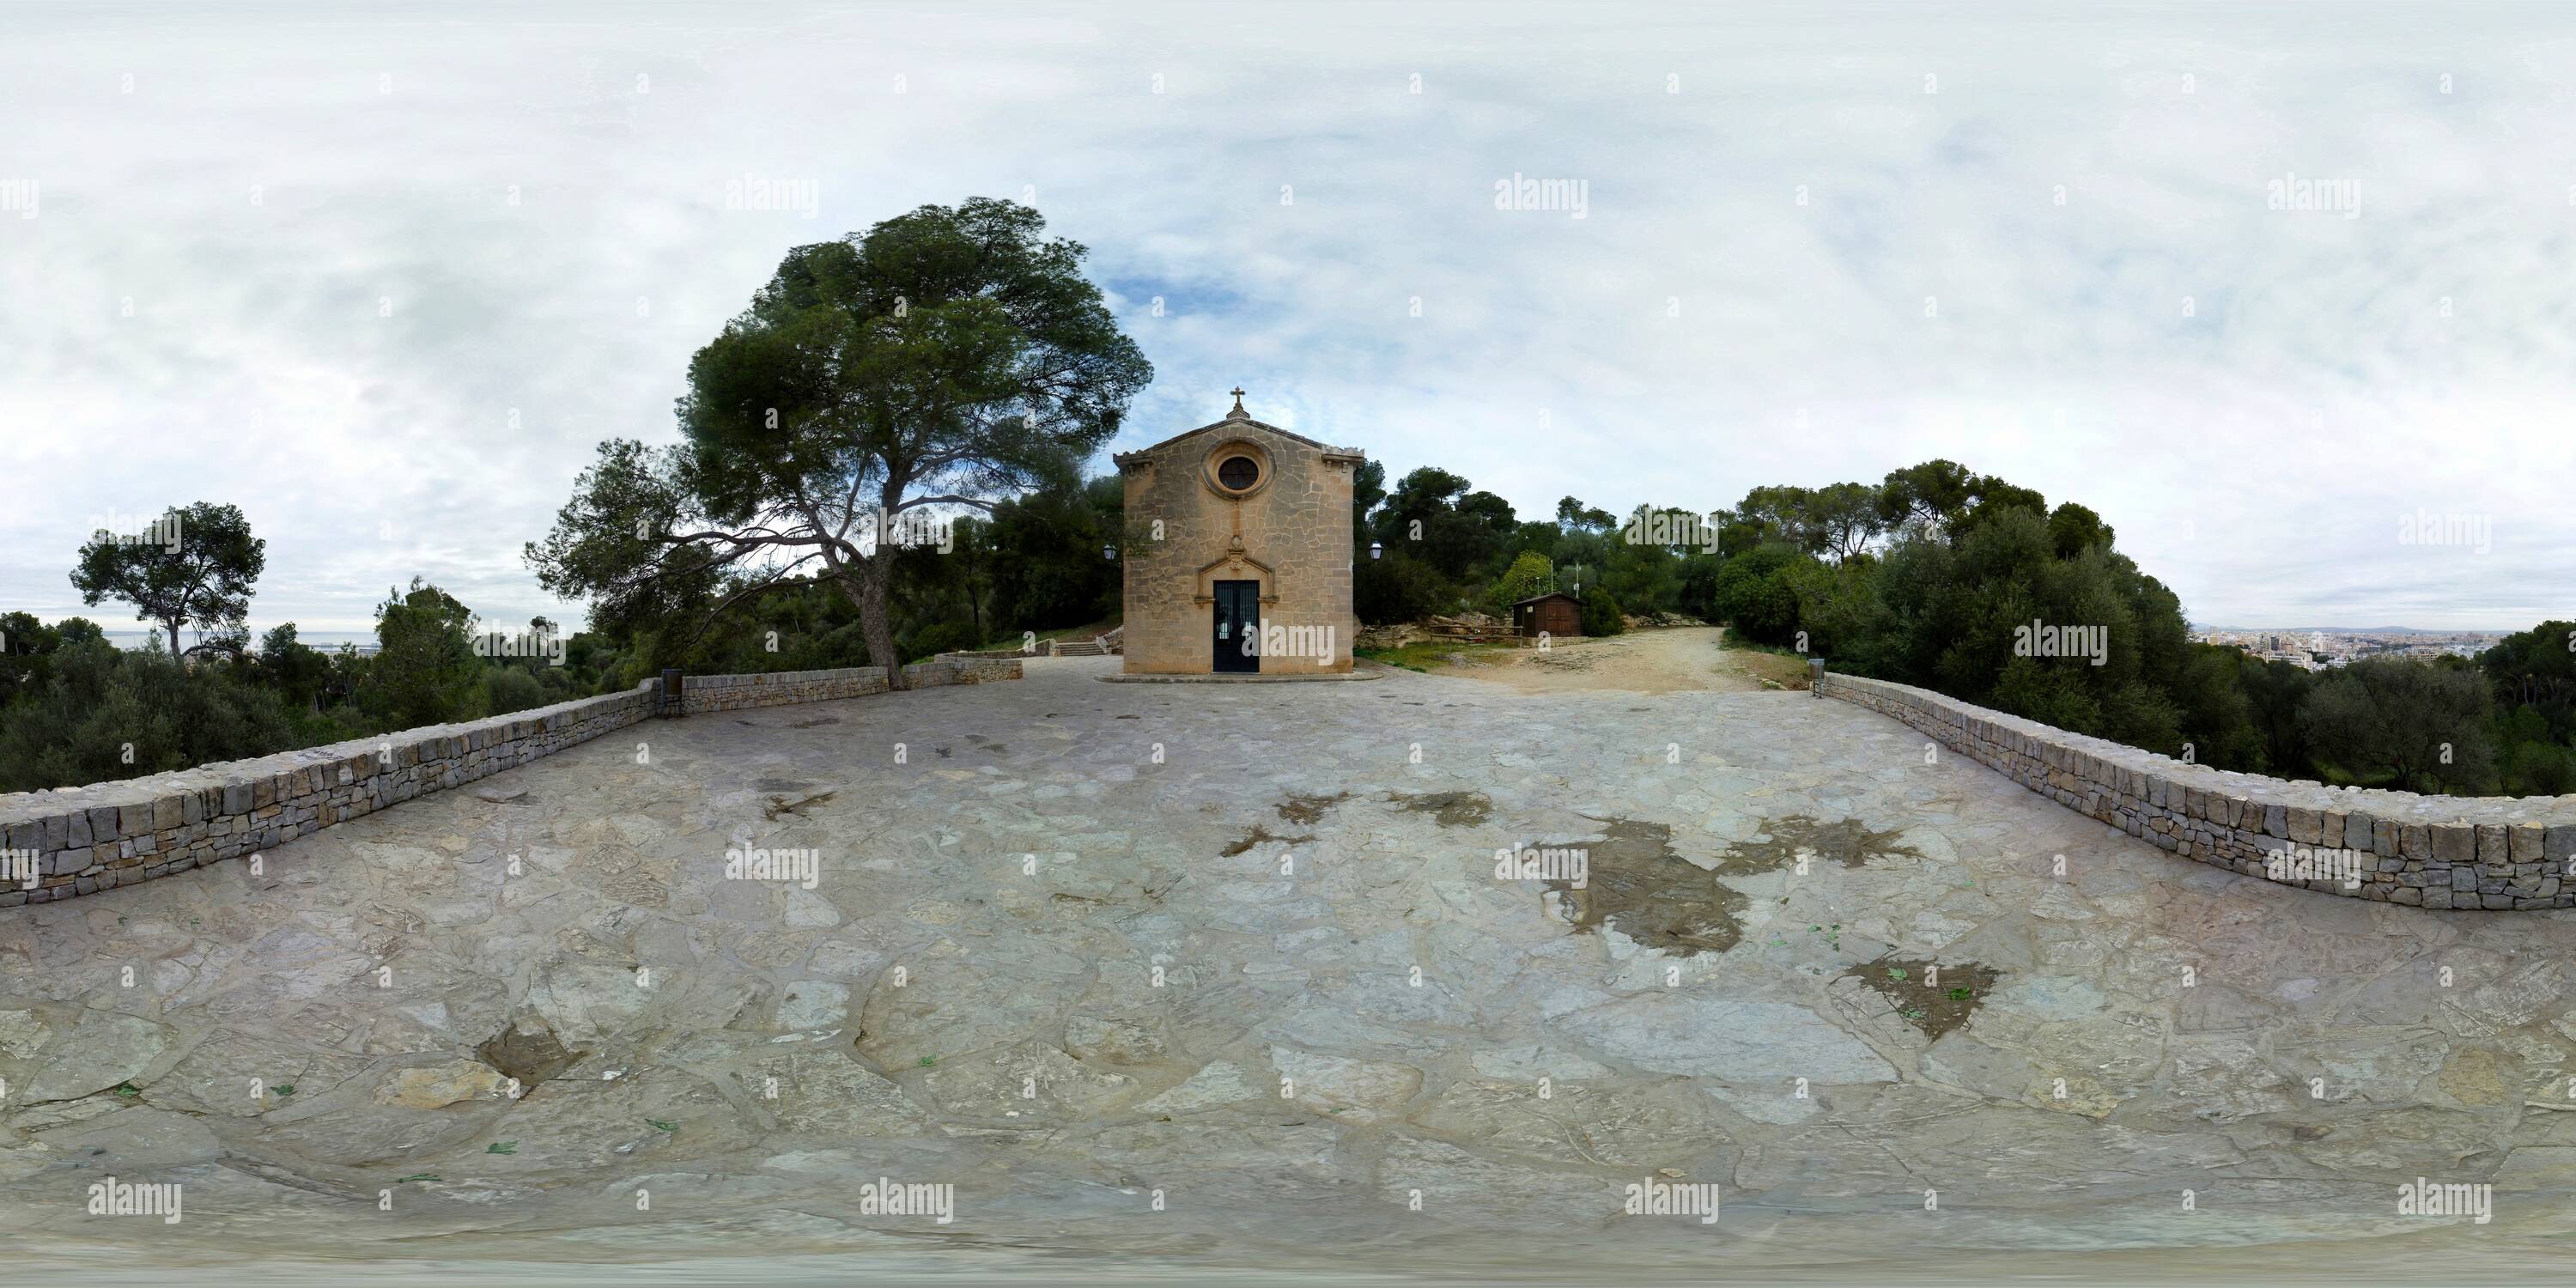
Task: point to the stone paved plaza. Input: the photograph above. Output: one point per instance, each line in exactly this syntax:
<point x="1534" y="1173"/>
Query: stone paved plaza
<point x="1262" y="1000"/>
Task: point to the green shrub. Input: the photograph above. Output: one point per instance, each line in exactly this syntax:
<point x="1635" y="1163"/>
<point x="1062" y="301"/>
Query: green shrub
<point x="1755" y="594"/>
<point x="940" y="637"/>
<point x="1530" y="574"/>
<point x="1601" y="614"/>
<point x="1399" y="588"/>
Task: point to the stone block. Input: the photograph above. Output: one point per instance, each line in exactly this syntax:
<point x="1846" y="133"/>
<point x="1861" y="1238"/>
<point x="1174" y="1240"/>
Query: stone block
<point x="2524" y="842"/>
<point x="2559" y="844"/>
<point x="2455" y="843"/>
<point x="2303" y="824"/>
<point x="2492" y="848"/>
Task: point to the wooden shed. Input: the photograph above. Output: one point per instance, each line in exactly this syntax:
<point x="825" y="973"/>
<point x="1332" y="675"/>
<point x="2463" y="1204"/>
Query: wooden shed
<point x="1555" y="614"/>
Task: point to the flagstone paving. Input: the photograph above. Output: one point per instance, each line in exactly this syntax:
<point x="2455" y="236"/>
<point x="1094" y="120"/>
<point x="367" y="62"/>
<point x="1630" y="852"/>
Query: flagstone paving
<point x="1227" y="973"/>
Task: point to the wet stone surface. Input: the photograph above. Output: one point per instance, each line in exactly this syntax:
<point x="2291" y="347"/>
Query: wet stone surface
<point x="1635" y="884"/>
<point x="1272" y="977"/>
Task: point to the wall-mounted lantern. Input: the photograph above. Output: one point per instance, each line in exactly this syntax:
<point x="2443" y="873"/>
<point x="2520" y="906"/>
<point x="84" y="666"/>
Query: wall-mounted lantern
<point x="1376" y="551"/>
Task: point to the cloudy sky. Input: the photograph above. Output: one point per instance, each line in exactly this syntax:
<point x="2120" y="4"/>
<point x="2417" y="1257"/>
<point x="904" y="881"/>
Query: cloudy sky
<point x="2258" y="284"/>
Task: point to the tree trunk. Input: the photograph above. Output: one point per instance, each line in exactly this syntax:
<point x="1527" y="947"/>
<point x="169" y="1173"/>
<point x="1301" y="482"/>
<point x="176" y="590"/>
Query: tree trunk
<point x="173" y="628"/>
<point x="879" y="629"/>
<point x="864" y="579"/>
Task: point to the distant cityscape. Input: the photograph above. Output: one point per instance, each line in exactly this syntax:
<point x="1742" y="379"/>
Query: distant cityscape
<point x="2320" y="648"/>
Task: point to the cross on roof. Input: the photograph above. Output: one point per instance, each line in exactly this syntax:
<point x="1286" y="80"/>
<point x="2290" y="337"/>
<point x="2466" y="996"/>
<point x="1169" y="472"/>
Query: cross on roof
<point x="1237" y="391"/>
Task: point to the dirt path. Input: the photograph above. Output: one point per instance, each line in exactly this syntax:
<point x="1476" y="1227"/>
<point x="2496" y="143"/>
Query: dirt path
<point x="1650" y="661"/>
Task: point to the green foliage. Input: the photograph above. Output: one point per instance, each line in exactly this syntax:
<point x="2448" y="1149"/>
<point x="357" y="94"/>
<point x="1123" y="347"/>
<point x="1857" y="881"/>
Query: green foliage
<point x="1434" y="516"/>
<point x="1399" y="588"/>
<point x="102" y="713"/>
<point x="950" y="357"/>
<point x="299" y="673"/>
<point x="2403" y="724"/>
<point x="941" y="637"/>
<point x="193" y="568"/>
<point x="509" y="688"/>
<point x="1530" y="574"/>
<point x="1045" y="553"/>
<point x="1839" y="611"/>
<point x="1756" y="595"/>
<point x="424" y="671"/>
<point x="1601" y="616"/>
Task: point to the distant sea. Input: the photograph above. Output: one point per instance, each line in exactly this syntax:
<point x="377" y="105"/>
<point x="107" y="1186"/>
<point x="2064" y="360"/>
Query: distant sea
<point x="327" y="641"/>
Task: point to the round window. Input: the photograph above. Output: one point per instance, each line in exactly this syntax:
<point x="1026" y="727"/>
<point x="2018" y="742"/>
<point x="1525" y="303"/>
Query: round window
<point x="1238" y="473"/>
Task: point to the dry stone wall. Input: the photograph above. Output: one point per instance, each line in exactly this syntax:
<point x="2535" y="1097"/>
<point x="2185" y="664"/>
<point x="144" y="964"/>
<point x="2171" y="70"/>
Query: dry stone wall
<point x="2455" y="852"/>
<point x="703" y="693"/>
<point x="77" y="841"/>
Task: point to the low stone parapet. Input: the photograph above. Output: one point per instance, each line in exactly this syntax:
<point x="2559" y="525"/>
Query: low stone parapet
<point x="77" y="841"/>
<point x="2459" y="852"/>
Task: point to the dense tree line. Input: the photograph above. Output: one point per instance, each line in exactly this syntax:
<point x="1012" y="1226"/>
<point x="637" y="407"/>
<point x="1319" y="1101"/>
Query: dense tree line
<point x="1966" y="584"/>
<point x="1932" y="577"/>
<point x="75" y="708"/>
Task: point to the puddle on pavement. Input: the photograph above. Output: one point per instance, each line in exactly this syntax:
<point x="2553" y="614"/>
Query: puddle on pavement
<point x="1448" y="809"/>
<point x="1306" y="809"/>
<point x="1260" y="836"/>
<point x="529" y="1056"/>
<point x="1845" y="842"/>
<point x="1934" y="997"/>
<point x="1636" y="885"/>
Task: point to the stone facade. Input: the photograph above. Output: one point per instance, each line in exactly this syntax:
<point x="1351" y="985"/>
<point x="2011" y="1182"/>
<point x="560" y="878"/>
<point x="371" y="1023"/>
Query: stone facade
<point x="1285" y="524"/>
<point x="88" y="839"/>
<point x="2491" y="853"/>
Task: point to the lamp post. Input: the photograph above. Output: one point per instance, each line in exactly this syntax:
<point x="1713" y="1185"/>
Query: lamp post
<point x="1109" y="552"/>
<point x="1376" y="551"/>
